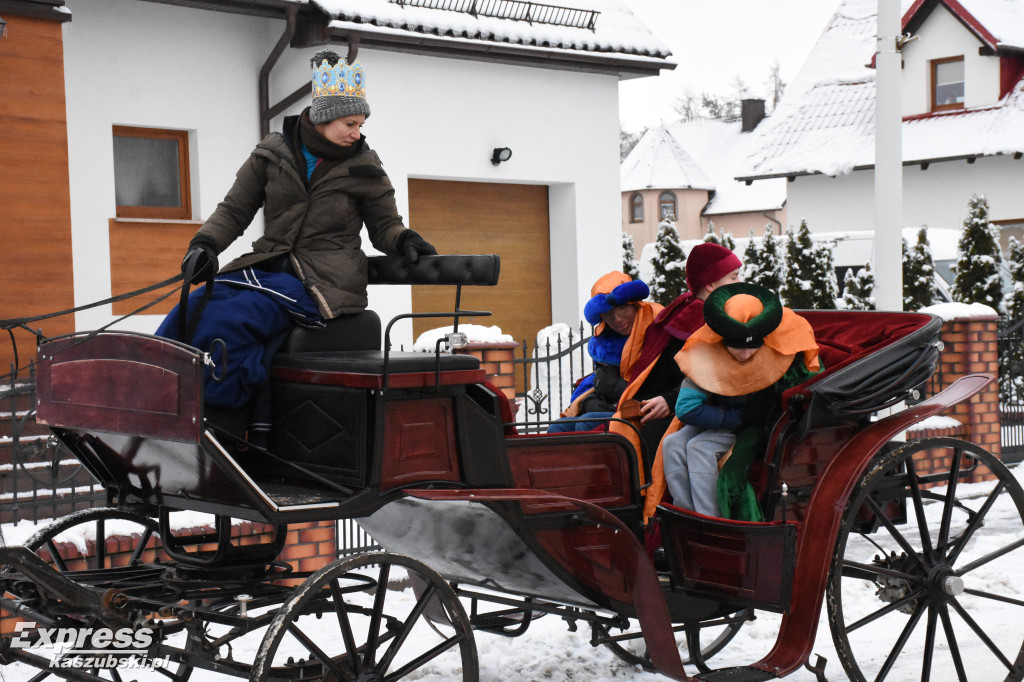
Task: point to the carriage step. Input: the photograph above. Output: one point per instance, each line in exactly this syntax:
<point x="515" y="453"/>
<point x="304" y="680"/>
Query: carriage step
<point x="744" y="674"/>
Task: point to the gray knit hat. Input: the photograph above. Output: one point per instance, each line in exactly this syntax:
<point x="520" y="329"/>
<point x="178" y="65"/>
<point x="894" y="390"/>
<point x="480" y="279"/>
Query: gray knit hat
<point x="339" y="89"/>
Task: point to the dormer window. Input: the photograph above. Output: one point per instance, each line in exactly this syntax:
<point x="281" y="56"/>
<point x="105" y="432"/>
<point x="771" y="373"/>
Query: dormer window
<point x="636" y="208"/>
<point x="947" y="83"/>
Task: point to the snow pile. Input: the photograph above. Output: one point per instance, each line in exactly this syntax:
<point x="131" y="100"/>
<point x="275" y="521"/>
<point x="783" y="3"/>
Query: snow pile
<point x="427" y="341"/>
<point x="960" y="311"/>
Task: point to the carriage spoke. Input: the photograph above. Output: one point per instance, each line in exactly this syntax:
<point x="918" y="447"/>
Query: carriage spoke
<point x="897" y="647"/>
<point x="947" y="509"/>
<point x="426" y="657"/>
<point x="346" y="627"/>
<point x="951" y="641"/>
<point x="136" y="559"/>
<point x="922" y="523"/>
<point x="55" y="556"/>
<point x="884" y="611"/>
<point x="315" y="650"/>
<point x="894" y="532"/>
<point x="980" y="633"/>
<point x="995" y="597"/>
<point x="929" y="646"/>
<point x="977" y="521"/>
<point x="399" y="640"/>
<point x="375" y="617"/>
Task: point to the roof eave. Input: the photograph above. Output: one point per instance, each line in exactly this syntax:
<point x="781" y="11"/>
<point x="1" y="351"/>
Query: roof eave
<point x="401" y="40"/>
<point x="970" y="158"/>
<point x="276" y="9"/>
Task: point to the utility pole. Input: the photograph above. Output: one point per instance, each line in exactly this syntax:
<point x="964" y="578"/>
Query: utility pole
<point x="888" y="159"/>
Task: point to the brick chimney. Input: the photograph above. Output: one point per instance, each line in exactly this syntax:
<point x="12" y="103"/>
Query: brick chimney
<point x="751" y="113"/>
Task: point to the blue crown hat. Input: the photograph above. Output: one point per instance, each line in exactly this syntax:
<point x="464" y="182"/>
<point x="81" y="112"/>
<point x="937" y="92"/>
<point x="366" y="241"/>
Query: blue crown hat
<point x="627" y="292"/>
<point x="339" y="88"/>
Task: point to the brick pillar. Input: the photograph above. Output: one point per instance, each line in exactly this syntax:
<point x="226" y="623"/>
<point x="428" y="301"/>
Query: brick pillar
<point x="496" y="361"/>
<point x="970" y="346"/>
<point x="311" y="546"/>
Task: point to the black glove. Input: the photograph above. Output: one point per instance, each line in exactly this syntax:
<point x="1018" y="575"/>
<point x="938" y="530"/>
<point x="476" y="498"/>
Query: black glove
<point x="205" y="259"/>
<point x="411" y="246"/>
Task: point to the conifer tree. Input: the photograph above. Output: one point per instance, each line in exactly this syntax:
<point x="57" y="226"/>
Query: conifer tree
<point x="629" y="264"/>
<point x="859" y="289"/>
<point x="1011" y="347"/>
<point x="669" y="279"/>
<point x="771" y="268"/>
<point x="751" y="259"/>
<point x="825" y="285"/>
<point x="1013" y="304"/>
<point x="918" y="273"/>
<point x="798" y="287"/>
<point x="720" y="238"/>
<point x="978" y="258"/>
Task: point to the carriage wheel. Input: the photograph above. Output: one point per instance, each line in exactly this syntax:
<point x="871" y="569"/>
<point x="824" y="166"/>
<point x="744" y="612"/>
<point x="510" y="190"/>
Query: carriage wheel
<point x="359" y="620"/>
<point x="707" y="638"/>
<point x="106" y="522"/>
<point x="60" y="543"/>
<point x="944" y="581"/>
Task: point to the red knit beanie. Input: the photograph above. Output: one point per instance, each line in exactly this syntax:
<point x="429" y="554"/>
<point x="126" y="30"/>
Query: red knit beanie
<point x="709" y="262"/>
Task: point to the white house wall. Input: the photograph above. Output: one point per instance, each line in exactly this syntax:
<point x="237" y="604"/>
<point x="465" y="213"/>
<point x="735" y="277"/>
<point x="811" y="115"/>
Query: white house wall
<point x="936" y="197"/>
<point x="942" y="36"/>
<point x="148" y="64"/>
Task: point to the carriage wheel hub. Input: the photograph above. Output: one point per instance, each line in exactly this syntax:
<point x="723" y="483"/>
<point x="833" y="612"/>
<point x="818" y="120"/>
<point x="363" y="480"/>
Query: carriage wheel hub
<point x="944" y="584"/>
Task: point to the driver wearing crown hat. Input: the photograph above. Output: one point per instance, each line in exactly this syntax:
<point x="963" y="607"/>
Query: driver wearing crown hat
<point x="749" y="351"/>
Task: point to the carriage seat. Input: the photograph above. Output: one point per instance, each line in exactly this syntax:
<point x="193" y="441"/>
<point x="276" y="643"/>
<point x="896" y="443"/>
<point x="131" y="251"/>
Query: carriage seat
<point x="358" y="331"/>
<point x="372" y="362"/>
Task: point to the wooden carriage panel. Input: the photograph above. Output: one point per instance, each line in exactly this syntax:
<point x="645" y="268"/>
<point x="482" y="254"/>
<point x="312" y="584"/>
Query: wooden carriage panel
<point x="749" y="564"/>
<point x="595" y="471"/>
<point x="121" y="383"/>
<point x="419" y="442"/>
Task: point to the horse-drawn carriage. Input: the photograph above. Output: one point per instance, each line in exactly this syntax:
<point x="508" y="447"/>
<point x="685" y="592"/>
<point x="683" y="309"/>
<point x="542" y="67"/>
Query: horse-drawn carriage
<point x="474" y="512"/>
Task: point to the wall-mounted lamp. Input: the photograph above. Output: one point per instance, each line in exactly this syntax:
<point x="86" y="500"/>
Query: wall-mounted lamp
<point x="500" y="154"/>
<point x="3" y="28"/>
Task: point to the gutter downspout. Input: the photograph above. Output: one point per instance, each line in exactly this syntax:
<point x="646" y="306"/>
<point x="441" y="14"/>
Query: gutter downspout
<point x="267" y="112"/>
<point x="774" y="220"/>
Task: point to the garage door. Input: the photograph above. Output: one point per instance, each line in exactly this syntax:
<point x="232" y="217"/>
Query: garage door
<point x="478" y="217"/>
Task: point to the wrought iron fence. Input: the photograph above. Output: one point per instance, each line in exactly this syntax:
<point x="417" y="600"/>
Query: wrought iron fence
<point x="1011" y="389"/>
<point x="548" y="374"/>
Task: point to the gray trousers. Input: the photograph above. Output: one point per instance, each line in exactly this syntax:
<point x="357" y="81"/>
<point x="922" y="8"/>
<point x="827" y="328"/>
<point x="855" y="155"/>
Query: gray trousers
<point x="690" y="459"/>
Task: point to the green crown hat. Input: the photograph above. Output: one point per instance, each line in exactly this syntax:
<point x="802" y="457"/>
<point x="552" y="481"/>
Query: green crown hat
<point x="737" y="334"/>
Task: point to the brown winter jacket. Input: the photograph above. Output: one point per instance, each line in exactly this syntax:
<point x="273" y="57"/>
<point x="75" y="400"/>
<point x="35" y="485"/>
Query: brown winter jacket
<point x="318" y="226"/>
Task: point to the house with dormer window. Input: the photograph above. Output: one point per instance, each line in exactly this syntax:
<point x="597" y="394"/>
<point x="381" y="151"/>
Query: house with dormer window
<point x="962" y="93"/>
<point x="123" y="123"/>
<point x="685" y="172"/>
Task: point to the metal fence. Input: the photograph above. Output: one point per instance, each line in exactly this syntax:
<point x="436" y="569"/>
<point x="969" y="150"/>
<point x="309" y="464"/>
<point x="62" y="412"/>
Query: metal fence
<point x="548" y="374"/>
<point x="1011" y="390"/>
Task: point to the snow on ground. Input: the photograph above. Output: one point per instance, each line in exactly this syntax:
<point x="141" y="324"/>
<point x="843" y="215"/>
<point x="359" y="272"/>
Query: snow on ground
<point x="549" y="651"/>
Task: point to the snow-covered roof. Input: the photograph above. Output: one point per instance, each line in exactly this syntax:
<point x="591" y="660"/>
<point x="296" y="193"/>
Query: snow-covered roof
<point x="825" y="121"/>
<point x="700" y="155"/>
<point x="616" y="30"/>
<point x="997" y="23"/>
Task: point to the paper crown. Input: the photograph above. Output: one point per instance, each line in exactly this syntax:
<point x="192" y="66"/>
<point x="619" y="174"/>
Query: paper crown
<point x="338" y="79"/>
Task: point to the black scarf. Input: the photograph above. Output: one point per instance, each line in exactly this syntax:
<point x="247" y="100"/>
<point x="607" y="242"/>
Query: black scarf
<point x="330" y="154"/>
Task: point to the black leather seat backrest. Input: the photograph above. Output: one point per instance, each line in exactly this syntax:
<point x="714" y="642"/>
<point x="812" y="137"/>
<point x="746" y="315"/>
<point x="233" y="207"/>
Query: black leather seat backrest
<point x="481" y="270"/>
